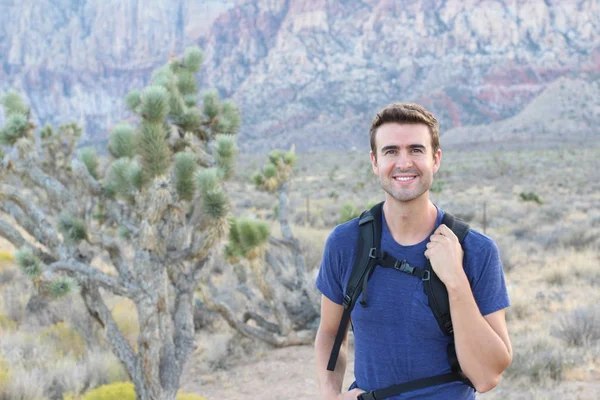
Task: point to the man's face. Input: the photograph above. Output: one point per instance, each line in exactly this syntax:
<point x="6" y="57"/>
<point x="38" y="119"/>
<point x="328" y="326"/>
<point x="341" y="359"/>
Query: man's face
<point x="405" y="162"/>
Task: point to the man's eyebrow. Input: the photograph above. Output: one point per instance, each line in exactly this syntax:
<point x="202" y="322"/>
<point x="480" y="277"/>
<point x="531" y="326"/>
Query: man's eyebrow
<point x="396" y="147"/>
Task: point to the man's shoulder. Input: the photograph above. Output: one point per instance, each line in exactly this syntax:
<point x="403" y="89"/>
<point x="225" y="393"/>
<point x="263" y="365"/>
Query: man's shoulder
<point x="344" y="234"/>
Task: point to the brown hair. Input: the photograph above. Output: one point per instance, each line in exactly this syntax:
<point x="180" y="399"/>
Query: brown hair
<point x="405" y="113"/>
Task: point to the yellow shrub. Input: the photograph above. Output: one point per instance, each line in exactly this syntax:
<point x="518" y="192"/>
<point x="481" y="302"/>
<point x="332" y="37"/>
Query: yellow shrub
<point x="7" y="324"/>
<point x="125" y="316"/>
<point x="4" y="372"/>
<point x="121" y="391"/>
<point x="6" y="259"/>
<point x="65" y="340"/>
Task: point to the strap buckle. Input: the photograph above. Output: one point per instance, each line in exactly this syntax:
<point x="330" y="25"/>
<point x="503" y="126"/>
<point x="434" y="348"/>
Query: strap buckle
<point x="367" y="396"/>
<point x="372" y="252"/>
<point x="404" y="266"/>
<point x="347" y="301"/>
<point x="426" y="275"/>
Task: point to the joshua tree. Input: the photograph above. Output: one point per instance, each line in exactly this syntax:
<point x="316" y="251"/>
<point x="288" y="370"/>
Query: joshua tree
<point x="158" y="210"/>
<point x="277" y="267"/>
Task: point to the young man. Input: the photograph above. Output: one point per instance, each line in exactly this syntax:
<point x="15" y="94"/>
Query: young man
<point x="397" y="338"/>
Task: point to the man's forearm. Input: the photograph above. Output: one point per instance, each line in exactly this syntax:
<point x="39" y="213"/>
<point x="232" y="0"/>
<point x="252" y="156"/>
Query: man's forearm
<point x="330" y="382"/>
<point x="482" y="353"/>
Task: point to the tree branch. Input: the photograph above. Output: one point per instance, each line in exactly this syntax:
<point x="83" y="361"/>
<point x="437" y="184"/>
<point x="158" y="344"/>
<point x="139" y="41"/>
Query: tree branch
<point x="11" y="234"/>
<point x="52" y="186"/>
<point x="80" y="270"/>
<point x="293" y="339"/>
<point x="121" y="347"/>
<point x="81" y="172"/>
<point x="44" y="233"/>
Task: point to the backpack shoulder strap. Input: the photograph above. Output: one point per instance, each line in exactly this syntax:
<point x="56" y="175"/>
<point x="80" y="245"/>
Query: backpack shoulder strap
<point x="435" y="288"/>
<point x="369" y="239"/>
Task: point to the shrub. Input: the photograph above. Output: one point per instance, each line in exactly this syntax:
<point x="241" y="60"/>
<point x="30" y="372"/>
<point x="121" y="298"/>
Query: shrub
<point x="64" y="340"/>
<point x="348" y="212"/>
<point x="530" y="196"/>
<point x="579" y="328"/>
<point x="7" y="324"/>
<point x="4" y="373"/>
<point x="121" y="391"/>
<point x="538" y="361"/>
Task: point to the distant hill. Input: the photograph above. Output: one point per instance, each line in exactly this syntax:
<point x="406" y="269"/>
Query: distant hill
<point x="311" y="73"/>
<point x="567" y="111"/>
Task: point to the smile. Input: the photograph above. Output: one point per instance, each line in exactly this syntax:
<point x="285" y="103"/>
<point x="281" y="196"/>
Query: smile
<point x="404" y="178"/>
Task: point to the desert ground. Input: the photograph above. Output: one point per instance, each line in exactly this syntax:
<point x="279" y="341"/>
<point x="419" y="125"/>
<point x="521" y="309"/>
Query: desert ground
<point x="541" y="206"/>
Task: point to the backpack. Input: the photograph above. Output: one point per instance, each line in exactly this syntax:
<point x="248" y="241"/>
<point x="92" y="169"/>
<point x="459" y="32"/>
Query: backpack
<point x="369" y="255"/>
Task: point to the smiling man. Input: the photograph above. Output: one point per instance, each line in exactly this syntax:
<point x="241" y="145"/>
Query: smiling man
<point x="402" y="350"/>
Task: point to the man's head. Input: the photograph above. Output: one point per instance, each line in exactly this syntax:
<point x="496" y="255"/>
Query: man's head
<point x="405" y="151"/>
<point x="405" y="113"/>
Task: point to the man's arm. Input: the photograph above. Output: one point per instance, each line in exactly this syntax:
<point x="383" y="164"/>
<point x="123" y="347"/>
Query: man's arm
<point x="330" y="382"/>
<point x="482" y="343"/>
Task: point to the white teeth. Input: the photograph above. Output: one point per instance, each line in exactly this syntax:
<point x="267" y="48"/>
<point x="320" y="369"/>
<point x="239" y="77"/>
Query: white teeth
<point x="404" y="178"/>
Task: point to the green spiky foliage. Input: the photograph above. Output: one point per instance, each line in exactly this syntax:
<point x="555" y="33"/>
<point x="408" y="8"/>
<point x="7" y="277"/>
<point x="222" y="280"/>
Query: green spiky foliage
<point x="133" y="100"/>
<point x="190" y="100"/>
<point x="186" y="83"/>
<point x="73" y="229"/>
<point x="61" y="287"/>
<point x="230" y="119"/>
<point x="215" y="203"/>
<point x="89" y="158"/>
<point x="276" y="171"/>
<point x="124" y="233"/>
<point x="191" y="120"/>
<point x="154" y="149"/>
<point x="121" y="142"/>
<point x="245" y="235"/>
<point x="193" y="58"/>
<point x="211" y="104"/>
<point x="17" y="127"/>
<point x="154" y="105"/>
<point x="185" y="168"/>
<point x="28" y="262"/>
<point x="14" y="105"/>
<point x="225" y="152"/>
<point x="124" y="178"/>
<point x="47" y="132"/>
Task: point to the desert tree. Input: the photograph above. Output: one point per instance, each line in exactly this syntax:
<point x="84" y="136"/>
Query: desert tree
<point x="157" y="210"/>
<point x="282" y="311"/>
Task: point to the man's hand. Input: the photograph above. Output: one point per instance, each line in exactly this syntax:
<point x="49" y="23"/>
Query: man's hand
<point x="446" y="255"/>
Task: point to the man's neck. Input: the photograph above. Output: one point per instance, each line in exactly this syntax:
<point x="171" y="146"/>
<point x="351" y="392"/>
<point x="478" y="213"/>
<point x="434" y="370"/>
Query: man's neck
<point x="410" y="222"/>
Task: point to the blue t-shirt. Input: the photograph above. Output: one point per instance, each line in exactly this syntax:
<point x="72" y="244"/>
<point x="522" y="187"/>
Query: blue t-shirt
<point x="396" y="337"/>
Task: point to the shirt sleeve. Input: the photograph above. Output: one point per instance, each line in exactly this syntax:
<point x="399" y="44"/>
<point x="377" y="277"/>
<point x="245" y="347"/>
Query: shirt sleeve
<point x="485" y="273"/>
<point x="329" y="279"/>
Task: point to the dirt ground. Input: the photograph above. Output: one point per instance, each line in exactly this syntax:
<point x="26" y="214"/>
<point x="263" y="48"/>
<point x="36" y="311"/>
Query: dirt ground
<point x="288" y="373"/>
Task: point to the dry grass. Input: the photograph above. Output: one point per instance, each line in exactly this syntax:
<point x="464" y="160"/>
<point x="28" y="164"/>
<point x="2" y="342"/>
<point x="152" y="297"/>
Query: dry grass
<point x="550" y="253"/>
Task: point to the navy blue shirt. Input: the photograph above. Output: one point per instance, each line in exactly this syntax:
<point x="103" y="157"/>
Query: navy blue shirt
<point x="396" y="337"/>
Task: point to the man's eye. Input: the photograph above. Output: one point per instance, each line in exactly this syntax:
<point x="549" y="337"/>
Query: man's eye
<point x="417" y="150"/>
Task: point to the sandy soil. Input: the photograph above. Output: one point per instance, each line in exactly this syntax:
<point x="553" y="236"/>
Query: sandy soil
<point x="289" y="374"/>
<point x="286" y="373"/>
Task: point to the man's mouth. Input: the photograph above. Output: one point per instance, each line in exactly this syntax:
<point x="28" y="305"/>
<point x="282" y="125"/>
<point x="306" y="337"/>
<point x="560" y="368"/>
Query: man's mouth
<point x="405" y="178"/>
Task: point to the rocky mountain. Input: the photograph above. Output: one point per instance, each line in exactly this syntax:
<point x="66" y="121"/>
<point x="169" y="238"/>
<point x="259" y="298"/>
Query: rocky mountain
<point x="308" y="72"/>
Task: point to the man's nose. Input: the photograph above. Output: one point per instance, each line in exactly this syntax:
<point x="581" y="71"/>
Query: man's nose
<point x="403" y="161"/>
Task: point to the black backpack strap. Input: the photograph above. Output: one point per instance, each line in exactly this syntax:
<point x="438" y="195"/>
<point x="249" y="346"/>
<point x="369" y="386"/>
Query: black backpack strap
<point x="435" y="288"/>
<point x="369" y="239"/>
<point x="412" y="385"/>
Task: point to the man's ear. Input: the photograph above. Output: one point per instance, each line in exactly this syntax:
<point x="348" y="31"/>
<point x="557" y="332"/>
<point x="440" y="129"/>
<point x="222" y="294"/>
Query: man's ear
<point x="437" y="160"/>
<point x="373" y="162"/>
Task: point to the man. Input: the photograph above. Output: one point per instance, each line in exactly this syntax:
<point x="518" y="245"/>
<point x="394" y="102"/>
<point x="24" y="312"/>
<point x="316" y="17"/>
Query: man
<point x="397" y="338"/>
